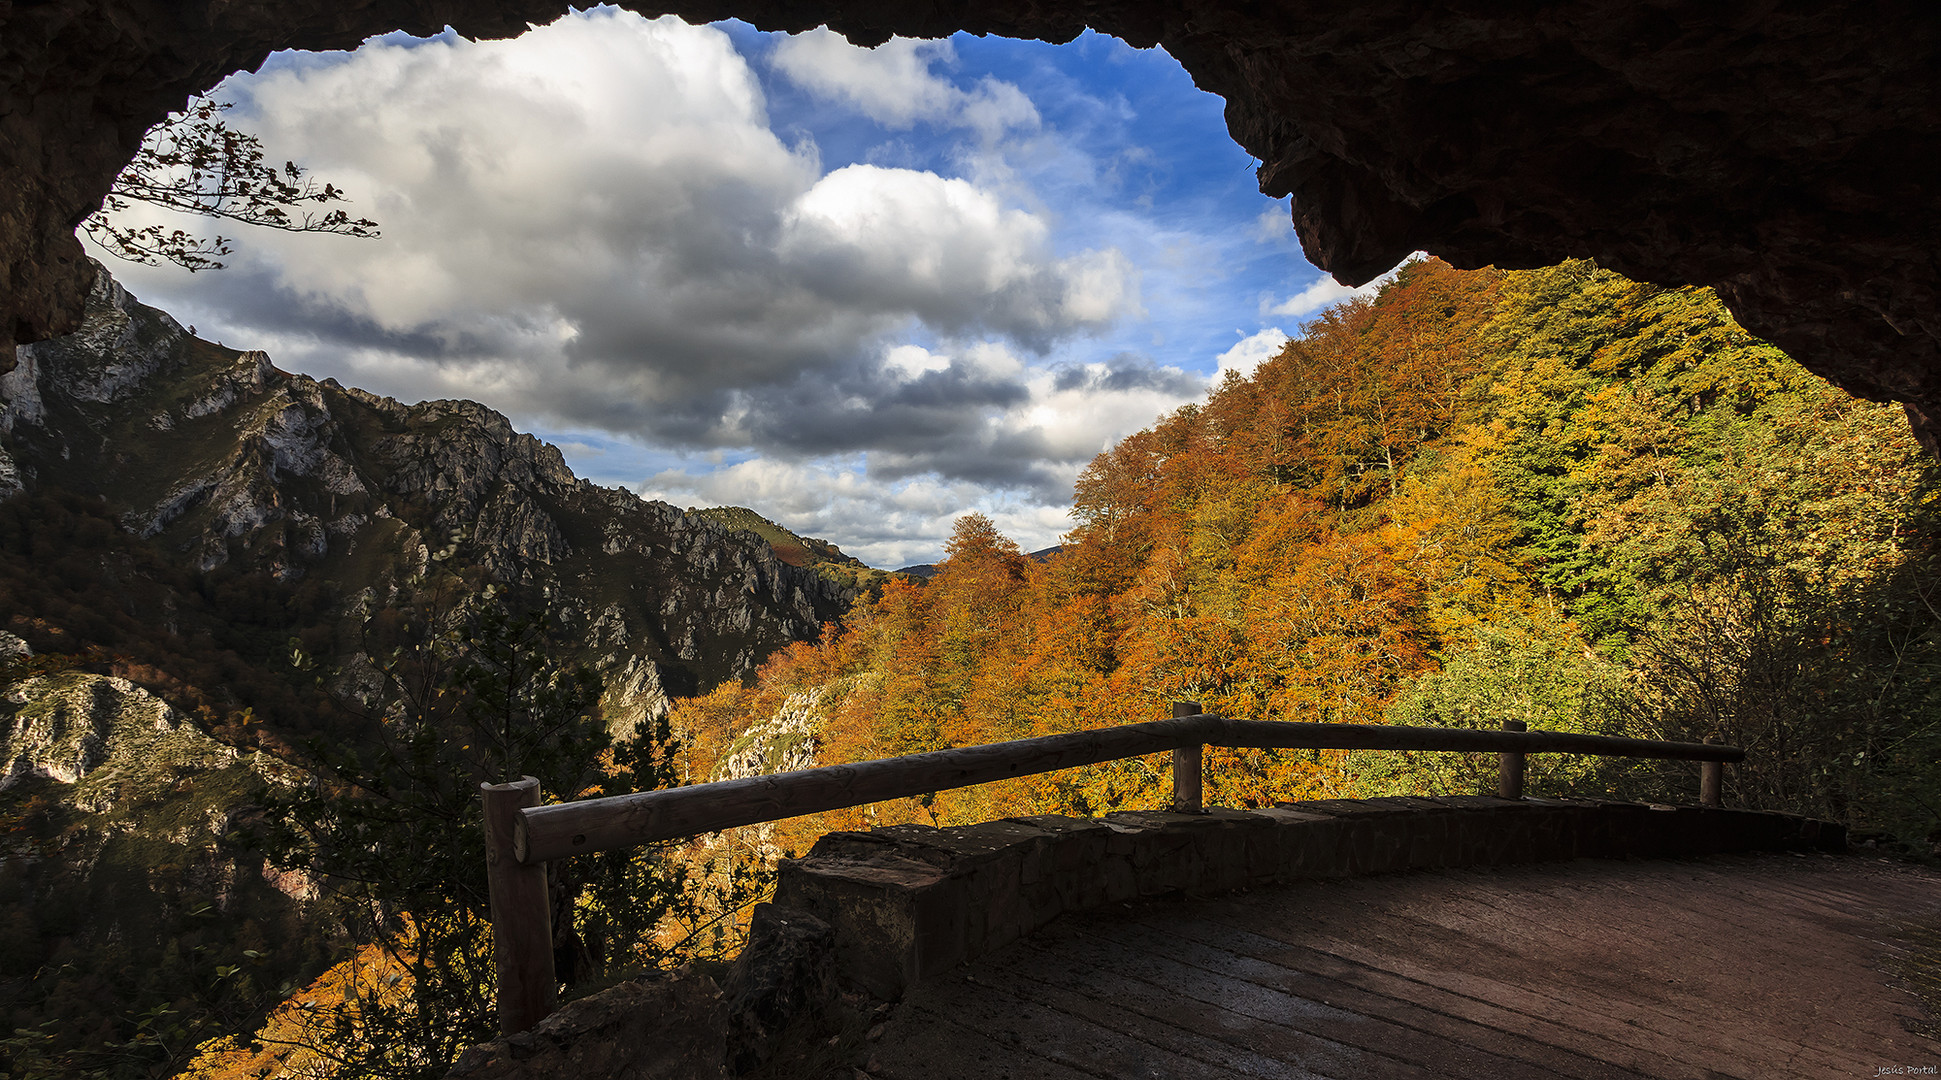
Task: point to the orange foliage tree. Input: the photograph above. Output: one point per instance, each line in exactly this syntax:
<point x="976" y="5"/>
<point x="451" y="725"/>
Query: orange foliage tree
<point x="1227" y="555"/>
<point x="1426" y="497"/>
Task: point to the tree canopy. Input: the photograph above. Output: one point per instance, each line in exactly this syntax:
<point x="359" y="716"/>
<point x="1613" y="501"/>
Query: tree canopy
<point x="1553" y="495"/>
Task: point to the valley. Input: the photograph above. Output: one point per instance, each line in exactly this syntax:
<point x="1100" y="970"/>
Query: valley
<point x="204" y="563"/>
<point x="1555" y="496"/>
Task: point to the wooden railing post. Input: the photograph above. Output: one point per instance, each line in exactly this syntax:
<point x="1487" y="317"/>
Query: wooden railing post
<point x="1186" y="766"/>
<point x="1711" y="778"/>
<point x="522" y="914"/>
<point x="1509" y="767"/>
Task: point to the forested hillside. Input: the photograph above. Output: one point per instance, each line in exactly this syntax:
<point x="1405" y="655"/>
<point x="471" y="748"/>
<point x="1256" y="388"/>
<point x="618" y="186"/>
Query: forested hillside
<point x="1556" y="495"/>
<point x="345" y="612"/>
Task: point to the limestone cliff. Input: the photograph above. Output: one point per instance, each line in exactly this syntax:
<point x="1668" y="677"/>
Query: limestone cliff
<point x="121" y="881"/>
<point x="99" y="734"/>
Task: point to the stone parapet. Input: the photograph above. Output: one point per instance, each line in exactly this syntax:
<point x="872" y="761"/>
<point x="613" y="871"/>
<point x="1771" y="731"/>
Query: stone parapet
<point x="910" y="901"/>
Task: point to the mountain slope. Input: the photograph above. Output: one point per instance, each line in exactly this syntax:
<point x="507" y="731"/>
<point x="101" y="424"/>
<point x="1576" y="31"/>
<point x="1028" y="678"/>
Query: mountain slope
<point x="173" y="516"/>
<point x="1552" y="496"/>
<point x="797" y="550"/>
<point x="224" y="462"/>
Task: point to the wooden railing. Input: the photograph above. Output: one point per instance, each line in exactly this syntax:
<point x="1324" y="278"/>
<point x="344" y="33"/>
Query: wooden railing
<point x="521" y="836"/>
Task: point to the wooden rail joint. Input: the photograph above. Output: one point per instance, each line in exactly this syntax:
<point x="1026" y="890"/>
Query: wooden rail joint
<point x="1711" y="778"/>
<point x="1509" y="767"/>
<point x="1188" y="762"/>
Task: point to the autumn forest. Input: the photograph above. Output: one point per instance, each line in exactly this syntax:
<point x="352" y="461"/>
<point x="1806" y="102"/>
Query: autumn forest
<point x="1555" y="496"/>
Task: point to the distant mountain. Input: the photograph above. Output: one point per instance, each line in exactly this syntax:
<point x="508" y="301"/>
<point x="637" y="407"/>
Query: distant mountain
<point x="926" y="571"/>
<point x="797" y="550"/>
<point x="226" y="465"/>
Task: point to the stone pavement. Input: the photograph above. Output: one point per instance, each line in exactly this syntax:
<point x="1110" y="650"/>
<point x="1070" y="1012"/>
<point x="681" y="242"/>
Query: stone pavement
<point x="1745" y="966"/>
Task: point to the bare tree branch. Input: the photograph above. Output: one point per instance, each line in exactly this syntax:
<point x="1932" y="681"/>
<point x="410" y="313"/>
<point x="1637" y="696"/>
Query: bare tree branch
<point x="196" y="163"/>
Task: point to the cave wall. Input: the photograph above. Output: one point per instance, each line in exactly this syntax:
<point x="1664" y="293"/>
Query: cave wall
<point x="1784" y="153"/>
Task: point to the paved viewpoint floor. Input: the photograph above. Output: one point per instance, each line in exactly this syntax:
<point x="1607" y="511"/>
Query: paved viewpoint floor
<point x="1729" y="966"/>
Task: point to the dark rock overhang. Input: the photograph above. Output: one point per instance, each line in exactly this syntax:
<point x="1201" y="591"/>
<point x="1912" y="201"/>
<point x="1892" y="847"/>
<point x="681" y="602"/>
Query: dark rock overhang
<point x="1783" y="153"/>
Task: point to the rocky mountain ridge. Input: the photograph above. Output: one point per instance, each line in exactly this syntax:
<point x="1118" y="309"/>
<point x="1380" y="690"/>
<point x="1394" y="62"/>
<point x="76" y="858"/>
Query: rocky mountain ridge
<point x="795" y="549"/>
<point x="223" y="460"/>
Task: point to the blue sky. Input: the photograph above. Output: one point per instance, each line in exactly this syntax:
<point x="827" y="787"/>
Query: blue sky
<point x="860" y="291"/>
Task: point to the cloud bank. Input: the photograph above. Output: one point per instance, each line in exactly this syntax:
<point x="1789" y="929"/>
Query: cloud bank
<point x="599" y="229"/>
<point x="1250" y="352"/>
<point x="597" y="220"/>
<point x="895" y="85"/>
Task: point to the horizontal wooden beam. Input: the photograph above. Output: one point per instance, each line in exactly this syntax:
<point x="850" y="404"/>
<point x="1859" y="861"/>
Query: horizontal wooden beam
<point x="550" y="832"/>
<point x="1270" y="733"/>
<point x="578" y="828"/>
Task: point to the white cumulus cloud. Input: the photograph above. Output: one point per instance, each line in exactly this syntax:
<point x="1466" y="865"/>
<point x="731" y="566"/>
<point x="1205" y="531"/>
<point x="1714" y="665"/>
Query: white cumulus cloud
<point x="900" y="240"/>
<point x="1249" y="353"/>
<point x="895" y="85"/>
<point x="594" y="227"/>
<point x="1274" y="224"/>
<point x="1325" y="291"/>
<point x="1320" y="293"/>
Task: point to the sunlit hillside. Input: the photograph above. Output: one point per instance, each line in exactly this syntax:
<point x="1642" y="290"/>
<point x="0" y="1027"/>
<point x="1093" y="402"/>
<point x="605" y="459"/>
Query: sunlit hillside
<point x="1557" y="496"/>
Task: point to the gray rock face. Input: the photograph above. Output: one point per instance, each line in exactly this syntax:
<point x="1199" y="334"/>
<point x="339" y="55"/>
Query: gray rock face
<point x="225" y="461"/>
<point x="10" y="483"/>
<point x="97" y="732"/>
<point x="1782" y="153"/>
<point x="783" y="742"/>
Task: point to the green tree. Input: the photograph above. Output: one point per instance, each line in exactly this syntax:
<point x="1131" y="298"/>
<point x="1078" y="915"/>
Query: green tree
<point x="1537" y="670"/>
<point x="1833" y="687"/>
<point x="464" y="696"/>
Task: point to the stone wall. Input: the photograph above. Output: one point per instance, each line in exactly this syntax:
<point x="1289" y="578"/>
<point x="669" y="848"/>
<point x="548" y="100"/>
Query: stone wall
<point x="910" y="901"/>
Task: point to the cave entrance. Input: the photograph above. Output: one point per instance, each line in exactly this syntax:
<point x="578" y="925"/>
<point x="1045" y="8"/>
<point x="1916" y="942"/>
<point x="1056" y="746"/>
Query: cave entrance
<point x="1781" y="155"/>
<point x="862" y="289"/>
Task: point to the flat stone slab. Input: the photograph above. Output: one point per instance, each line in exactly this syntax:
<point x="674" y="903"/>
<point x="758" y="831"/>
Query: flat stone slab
<point x="1747" y="966"/>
